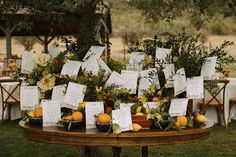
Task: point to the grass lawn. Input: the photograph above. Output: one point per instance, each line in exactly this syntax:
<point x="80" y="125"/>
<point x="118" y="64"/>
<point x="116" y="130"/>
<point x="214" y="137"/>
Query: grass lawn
<point x="222" y="142"/>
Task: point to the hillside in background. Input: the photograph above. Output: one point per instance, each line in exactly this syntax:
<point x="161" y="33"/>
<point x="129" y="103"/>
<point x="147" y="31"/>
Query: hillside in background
<point x="127" y="18"/>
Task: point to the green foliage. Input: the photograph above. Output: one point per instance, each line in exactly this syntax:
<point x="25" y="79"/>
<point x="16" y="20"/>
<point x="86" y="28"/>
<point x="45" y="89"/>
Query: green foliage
<point x="188" y="52"/>
<point x="115" y="65"/>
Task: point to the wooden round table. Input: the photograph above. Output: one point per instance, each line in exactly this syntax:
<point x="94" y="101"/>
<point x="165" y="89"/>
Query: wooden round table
<point x="94" y="138"/>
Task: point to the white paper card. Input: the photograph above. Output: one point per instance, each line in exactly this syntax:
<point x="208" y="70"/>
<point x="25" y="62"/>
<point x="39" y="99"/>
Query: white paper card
<point x="18" y="63"/>
<point x="92" y="109"/>
<point x="195" y="88"/>
<point x="135" y="61"/>
<point x="126" y="105"/>
<point x="178" y="107"/>
<point x="95" y="52"/>
<point x="122" y="117"/>
<point x="151" y="105"/>
<point x="161" y="54"/>
<point x="132" y="80"/>
<point x="169" y="71"/>
<point x="71" y="68"/>
<point x="208" y="67"/>
<point x="28" y="63"/>
<point x="54" y="51"/>
<point x="144" y="83"/>
<point x="152" y="76"/>
<point x="29" y="97"/>
<point x="180" y="83"/>
<point x="58" y="93"/>
<point x="91" y="66"/>
<point x="51" y="112"/>
<point x="116" y="79"/>
<point x="74" y="95"/>
<point x="103" y="66"/>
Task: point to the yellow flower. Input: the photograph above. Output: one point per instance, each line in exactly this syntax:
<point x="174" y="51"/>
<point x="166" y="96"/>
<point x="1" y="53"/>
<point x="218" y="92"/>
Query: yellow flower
<point x="41" y="59"/>
<point x="47" y="82"/>
<point x="143" y="99"/>
<point x="98" y="89"/>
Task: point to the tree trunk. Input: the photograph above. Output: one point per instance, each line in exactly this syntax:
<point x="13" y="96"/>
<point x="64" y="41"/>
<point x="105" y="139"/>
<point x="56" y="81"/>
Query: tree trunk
<point x="86" y="30"/>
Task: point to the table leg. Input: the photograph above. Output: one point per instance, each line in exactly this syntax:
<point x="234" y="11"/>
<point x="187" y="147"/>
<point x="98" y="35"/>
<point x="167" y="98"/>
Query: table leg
<point x="87" y="151"/>
<point x="116" y="151"/>
<point x="144" y="151"/>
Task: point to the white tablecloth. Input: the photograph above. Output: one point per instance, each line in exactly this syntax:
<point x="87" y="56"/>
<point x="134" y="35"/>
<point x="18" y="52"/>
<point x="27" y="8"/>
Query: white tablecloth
<point x="230" y="91"/>
<point x="15" y="110"/>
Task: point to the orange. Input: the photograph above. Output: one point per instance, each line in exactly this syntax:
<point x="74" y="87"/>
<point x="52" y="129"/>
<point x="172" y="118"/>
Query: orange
<point x="108" y="109"/>
<point x="155" y="99"/>
<point x="38" y="112"/>
<point x="68" y="117"/>
<point x="104" y="118"/>
<point x="78" y="116"/>
<point x="183" y="121"/>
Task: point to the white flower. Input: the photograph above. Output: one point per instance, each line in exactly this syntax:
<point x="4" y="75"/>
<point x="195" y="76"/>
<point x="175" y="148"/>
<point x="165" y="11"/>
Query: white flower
<point x="41" y="59"/>
<point x="47" y="82"/>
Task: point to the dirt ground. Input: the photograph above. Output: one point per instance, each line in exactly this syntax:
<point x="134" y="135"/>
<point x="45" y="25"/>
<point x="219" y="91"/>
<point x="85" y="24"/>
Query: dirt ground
<point x="117" y="47"/>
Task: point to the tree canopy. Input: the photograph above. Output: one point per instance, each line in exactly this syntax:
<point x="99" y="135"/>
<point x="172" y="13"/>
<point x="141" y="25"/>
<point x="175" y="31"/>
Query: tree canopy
<point x="169" y="9"/>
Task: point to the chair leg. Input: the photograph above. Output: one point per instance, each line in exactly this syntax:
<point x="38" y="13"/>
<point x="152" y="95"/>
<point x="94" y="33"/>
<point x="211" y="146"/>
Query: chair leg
<point x="9" y="111"/>
<point x="3" y="110"/>
<point x="230" y="107"/>
<point x="224" y="118"/>
<point x="218" y="115"/>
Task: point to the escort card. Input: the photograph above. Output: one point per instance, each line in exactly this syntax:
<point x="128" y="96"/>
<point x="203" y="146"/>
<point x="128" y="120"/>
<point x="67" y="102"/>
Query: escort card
<point x="51" y="112"/>
<point x="58" y="93"/>
<point x="122" y="117"/>
<point x="178" y="107"/>
<point x="126" y="105"/>
<point x="29" y="97"/>
<point x="91" y="66"/>
<point x="54" y="51"/>
<point x="195" y="88"/>
<point x="132" y="80"/>
<point x="144" y="84"/>
<point x="116" y="79"/>
<point x="180" y="84"/>
<point x="169" y="71"/>
<point x="28" y="63"/>
<point x="151" y="105"/>
<point x="208" y="67"/>
<point x="71" y="68"/>
<point x="18" y="63"/>
<point x="74" y="95"/>
<point x="95" y="52"/>
<point x="103" y="66"/>
<point x="92" y="109"/>
<point x="161" y="54"/>
<point x="151" y="75"/>
<point x="135" y="61"/>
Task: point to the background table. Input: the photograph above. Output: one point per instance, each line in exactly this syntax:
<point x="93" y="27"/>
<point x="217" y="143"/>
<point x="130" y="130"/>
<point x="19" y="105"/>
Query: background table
<point x="93" y="137"/>
<point x="229" y="92"/>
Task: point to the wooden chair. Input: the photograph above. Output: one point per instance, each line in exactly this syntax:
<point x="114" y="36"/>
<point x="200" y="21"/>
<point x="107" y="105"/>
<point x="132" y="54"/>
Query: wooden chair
<point x="232" y="101"/>
<point x="9" y="98"/>
<point x="214" y="101"/>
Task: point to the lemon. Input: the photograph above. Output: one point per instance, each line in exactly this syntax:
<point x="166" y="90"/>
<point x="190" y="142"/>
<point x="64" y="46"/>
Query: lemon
<point x="200" y="118"/>
<point x="139" y="114"/>
<point x="138" y="109"/>
<point x="136" y="127"/>
<point x="31" y="114"/>
<point x="116" y="128"/>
